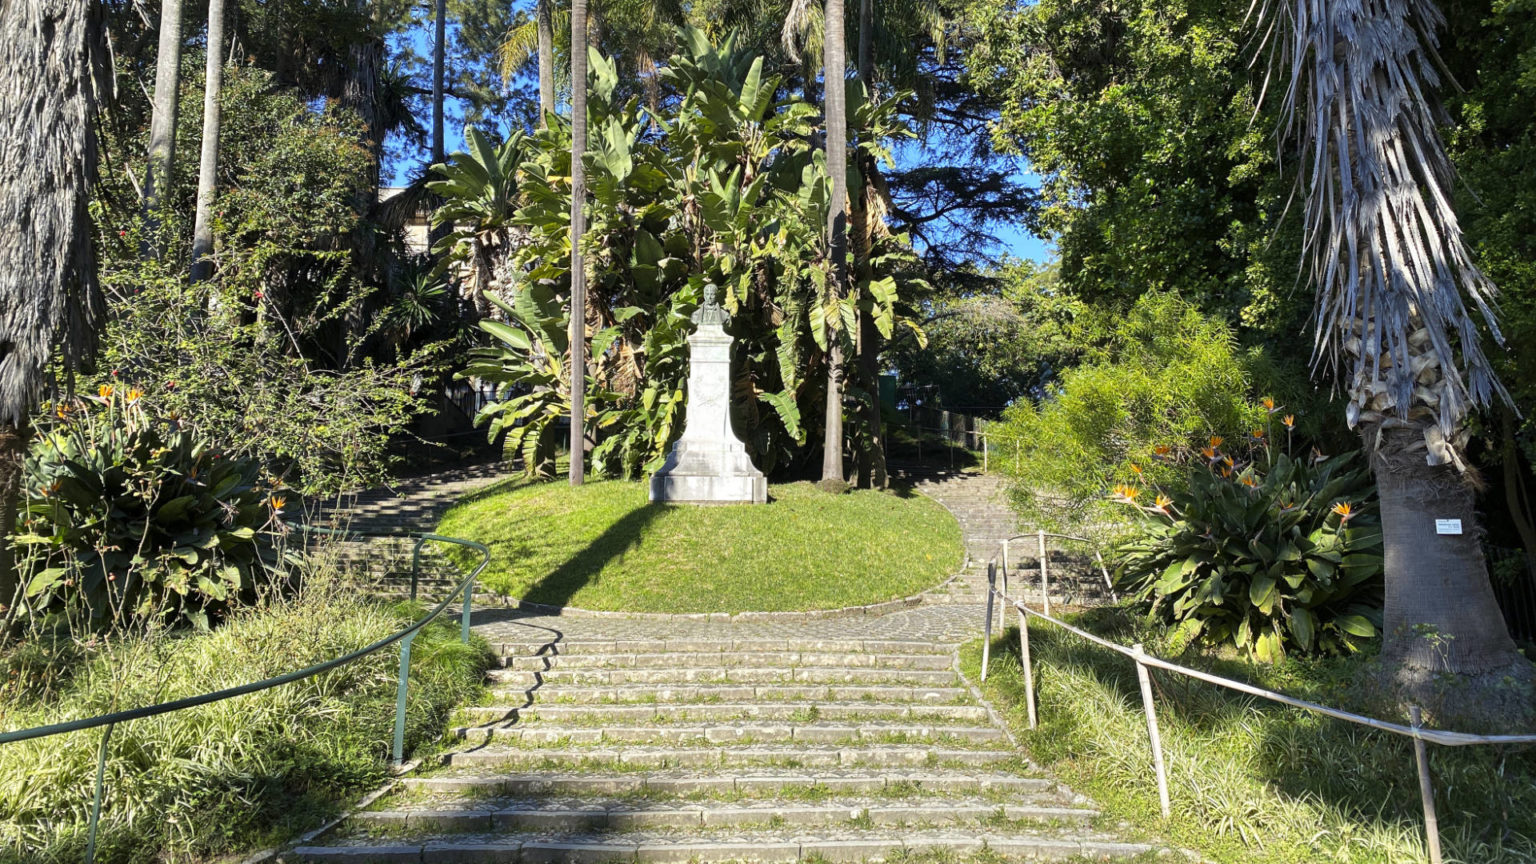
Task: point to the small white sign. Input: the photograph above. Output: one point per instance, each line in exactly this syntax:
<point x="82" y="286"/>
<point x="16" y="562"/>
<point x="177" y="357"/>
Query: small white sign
<point x="1447" y="526"/>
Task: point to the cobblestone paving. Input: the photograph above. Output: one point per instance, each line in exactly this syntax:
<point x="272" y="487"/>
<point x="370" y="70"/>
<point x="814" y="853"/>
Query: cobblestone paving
<point x="689" y="738"/>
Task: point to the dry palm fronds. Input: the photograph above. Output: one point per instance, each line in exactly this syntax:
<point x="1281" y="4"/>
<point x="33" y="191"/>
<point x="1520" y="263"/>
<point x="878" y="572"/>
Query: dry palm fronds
<point x="1393" y="273"/>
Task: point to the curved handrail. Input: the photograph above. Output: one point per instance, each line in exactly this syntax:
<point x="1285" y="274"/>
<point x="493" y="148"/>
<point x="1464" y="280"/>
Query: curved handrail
<point x="404" y="636"/>
<point x="1039" y="536"/>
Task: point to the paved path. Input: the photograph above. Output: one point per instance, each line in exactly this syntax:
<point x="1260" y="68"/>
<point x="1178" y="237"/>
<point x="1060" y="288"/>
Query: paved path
<point x="786" y="738"/>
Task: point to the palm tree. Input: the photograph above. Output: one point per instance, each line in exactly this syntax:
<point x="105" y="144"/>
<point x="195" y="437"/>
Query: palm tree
<point x="835" y="102"/>
<point x="1394" y="280"/>
<point x="545" y="25"/>
<point x="162" y="126"/>
<point x="208" y="163"/>
<point x="578" y="335"/>
<point x="439" y="49"/>
<point x="634" y="32"/>
<point x="51" y="52"/>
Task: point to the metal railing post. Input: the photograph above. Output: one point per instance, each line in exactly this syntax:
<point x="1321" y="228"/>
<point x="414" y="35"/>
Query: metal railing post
<point x="468" y="606"/>
<point x="400" y="695"/>
<point x="1029" y="669"/>
<point x="101" y="777"/>
<point x="1045" y="579"/>
<point x="1152" y="733"/>
<point x="416" y="566"/>
<point x="1005" y="570"/>
<point x="1426" y="788"/>
<point x="986" y="640"/>
<point x="986" y="453"/>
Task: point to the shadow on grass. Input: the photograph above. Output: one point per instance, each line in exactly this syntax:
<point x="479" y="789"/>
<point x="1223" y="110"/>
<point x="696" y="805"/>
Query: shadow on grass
<point x="1487" y="796"/>
<point x="560" y="585"/>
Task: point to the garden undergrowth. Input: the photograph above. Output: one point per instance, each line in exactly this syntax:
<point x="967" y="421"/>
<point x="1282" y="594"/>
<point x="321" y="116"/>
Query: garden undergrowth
<point x="1251" y="781"/>
<point x="233" y="775"/>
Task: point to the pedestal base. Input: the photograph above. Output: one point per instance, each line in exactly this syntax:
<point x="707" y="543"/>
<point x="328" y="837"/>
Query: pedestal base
<point x="708" y="474"/>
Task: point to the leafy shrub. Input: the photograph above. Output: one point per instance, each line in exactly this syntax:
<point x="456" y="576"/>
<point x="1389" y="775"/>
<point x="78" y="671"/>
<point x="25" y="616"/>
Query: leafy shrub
<point x="1167" y="373"/>
<point x="131" y="517"/>
<point x="1274" y="555"/>
<point x="198" y="784"/>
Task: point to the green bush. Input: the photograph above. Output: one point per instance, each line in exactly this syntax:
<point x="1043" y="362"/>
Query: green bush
<point x="133" y="517"/>
<point x="1168" y="374"/>
<point x="1271" y="553"/>
<point x="232" y="775"/>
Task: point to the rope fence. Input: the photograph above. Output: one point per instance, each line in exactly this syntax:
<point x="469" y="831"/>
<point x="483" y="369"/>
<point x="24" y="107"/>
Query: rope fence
<point x="1146" y="662"/>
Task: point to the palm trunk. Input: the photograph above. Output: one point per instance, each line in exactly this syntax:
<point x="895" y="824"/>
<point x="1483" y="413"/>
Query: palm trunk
<point x="1440" y="614"/>
<point x="578" y="333"/>
<point x="546" y="27"/>
<point x="208" y="164"/>
<point x="52" y="60"/>
<point x="162" y="126"/>
<point x="834" y="61"/>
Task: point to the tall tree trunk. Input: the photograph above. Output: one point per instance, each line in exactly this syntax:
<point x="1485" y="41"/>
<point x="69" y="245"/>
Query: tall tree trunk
<point x="872" y="469"/>
<point x="835" y="105"/>
<point x="52" y="63"/>
<point x="439" y="50"/>
<point x="578" y="334"/>
<point x="546" y="26"/>
<point x="208" y="163"/>
<point x="1516" y="496"/>
<point x="1440" y="614"/>
<point x="162" y="125"/>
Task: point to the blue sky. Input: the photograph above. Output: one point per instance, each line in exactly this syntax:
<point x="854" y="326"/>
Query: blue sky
<point x="1013" y="240"/>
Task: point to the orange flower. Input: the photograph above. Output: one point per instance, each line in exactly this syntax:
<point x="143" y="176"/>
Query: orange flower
<point x="1136" y="468"/>
<point x="1227" y="461"/>
<point x="1269" y="404"/>
<point x="1289" y="421"/>
<point x="1162" y="503"/>
<point x="1216" y="441"/>
<point x="1259" y="434"/>
<point x="62" y="411"/>
<point x="1249" y="481"/>
<point x="277" y="502"/>
<point x="1226" y="472"/>
<point x="1288" y="507"/>
<point x="1209" y="453"/>
<point x="104" y="391"/>
<point x="134" y="395"/>
<point x="1344" y="511"/>
<point x="1162" y="449"/>
<point x="1125" y="494"/>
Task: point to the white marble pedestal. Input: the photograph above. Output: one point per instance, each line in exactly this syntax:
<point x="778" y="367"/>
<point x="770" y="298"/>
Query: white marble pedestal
<point x="709" y="465"/>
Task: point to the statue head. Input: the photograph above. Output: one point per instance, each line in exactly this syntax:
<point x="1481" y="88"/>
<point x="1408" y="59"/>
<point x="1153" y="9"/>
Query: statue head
<point x="709" y="312"/>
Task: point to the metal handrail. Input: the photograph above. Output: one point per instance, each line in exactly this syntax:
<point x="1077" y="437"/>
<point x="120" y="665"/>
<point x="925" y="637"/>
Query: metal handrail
<point x="404" y="636"/>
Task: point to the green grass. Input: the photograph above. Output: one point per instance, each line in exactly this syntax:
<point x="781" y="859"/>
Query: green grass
<point x="1252" y="782"/>
<point x="603" y="546"/>
<point x="229" y="776"/>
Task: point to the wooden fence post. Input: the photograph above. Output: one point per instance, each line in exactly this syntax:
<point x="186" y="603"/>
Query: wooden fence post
<point x="1029" y="669"/>
<point x="1426" y="788"/>
<point x="1152" y="733"/>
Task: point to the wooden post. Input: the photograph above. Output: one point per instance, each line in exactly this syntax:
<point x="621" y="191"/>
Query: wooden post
<point x="986" y="639"/>
<point x="1029" y="669"/>
<point x="1152" y="733"/>
<point x="1045" y="579"/>
<point x="1426" y="788"/>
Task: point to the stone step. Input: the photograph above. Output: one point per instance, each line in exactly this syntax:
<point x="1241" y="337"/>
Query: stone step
<point x="661" y="646"/>
<point x="775" y="846"/>
<point x="542" y="734"/>
<point x="729" y="660"/>
<point x="749" y="784"/>
<point x="710" y="692"/>
<point x="724" y="675"/>
<point x="683" y="712"/>
<point x="594" y="816"/>
<point x="794" y="755"/>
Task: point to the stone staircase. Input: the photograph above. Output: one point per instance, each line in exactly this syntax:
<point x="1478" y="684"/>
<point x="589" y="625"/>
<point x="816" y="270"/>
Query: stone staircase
<point x="689" y="749"/>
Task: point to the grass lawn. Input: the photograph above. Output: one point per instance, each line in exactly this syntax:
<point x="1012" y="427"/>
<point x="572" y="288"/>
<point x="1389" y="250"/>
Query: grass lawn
<point x="1252" y="782"/>
<point x="604" y="546"/>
